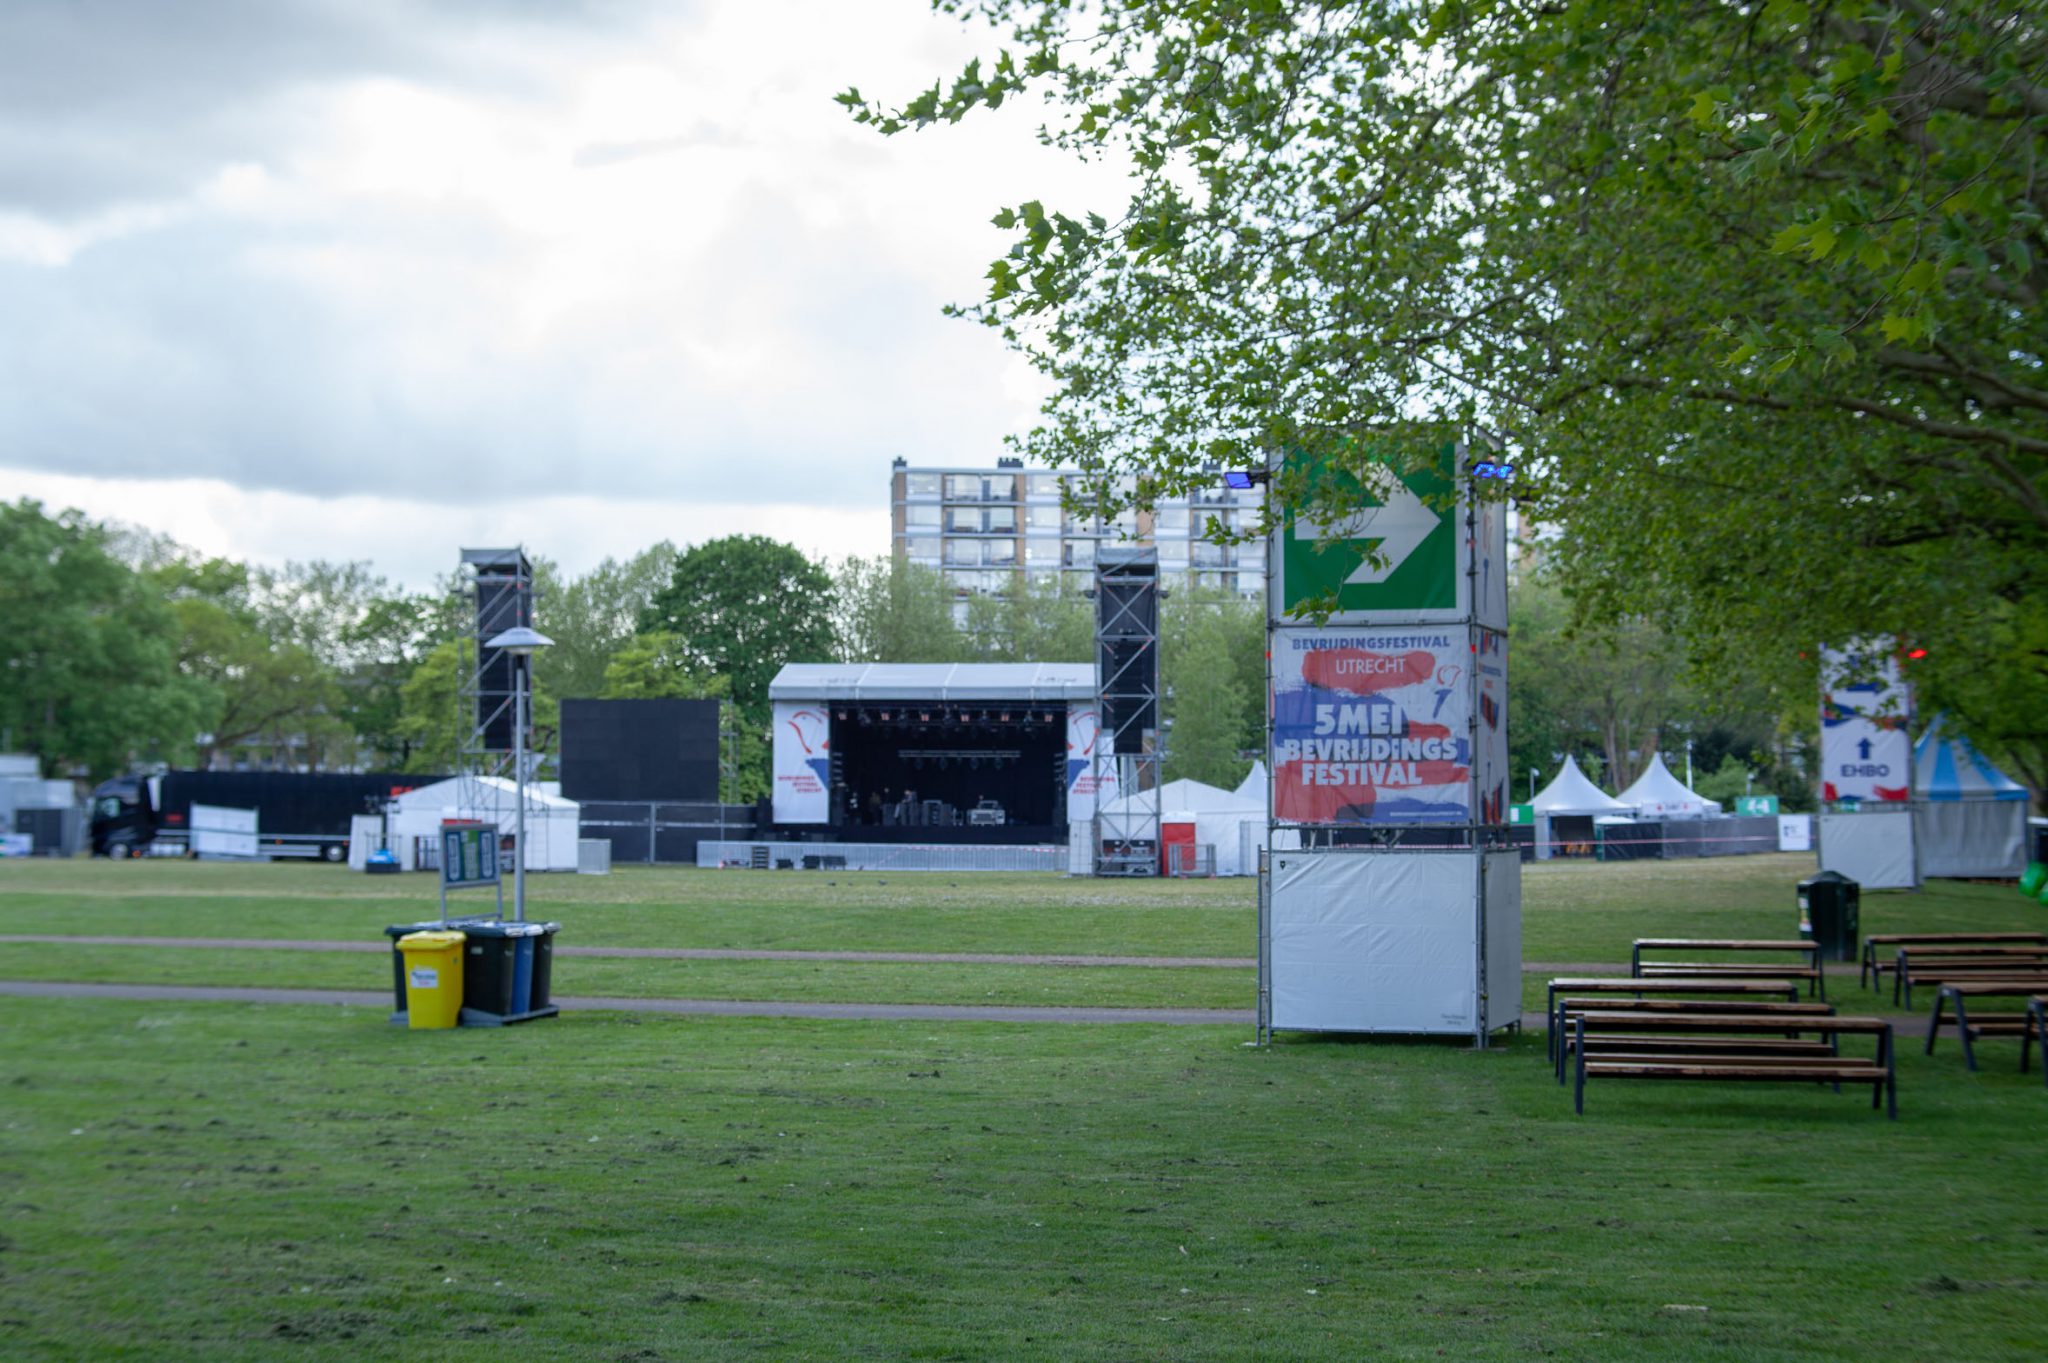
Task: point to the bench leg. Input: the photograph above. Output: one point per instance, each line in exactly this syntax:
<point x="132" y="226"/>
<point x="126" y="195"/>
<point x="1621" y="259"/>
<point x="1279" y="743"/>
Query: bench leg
<point x="2041" y="1021"/>
<point x="1579" y="1087"/>
<point x="1887" y="1042"/>
<point x="1934" y="1022"/>
<point x="1963" y="1032"/>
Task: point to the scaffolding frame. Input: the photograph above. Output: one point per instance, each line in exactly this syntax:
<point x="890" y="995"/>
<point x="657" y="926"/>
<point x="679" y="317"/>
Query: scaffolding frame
<point x="1127" y="758"/>
<point x="497" y="586"/>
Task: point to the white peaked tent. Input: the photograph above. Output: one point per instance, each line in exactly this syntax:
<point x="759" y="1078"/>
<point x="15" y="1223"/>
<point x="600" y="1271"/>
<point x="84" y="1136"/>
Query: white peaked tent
<point x="1219" y="816"/>
<point x="1969" y="818"/>
<point x="551" y="821"/>
<point x="1657" y="794"/>
<point x="1565" y="809"/>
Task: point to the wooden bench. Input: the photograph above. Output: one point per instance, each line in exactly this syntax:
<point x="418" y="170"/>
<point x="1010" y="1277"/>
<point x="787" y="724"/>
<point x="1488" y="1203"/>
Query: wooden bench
<point x="1560" y="1020"/>
<point x="1810" y="972"/>
<point x="1868" y="975"/>
<point x="1923" y="956"/>
<point x="1635" y="987"/>
<point x="1921" y="967"/>
<point x="1832" y="1068"/>
<point x="1951" y="997"/>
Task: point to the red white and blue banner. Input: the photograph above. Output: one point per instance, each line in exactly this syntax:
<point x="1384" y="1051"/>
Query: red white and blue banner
<point x="1865" y="706"/>
<point x="1374" y="726"/>
<point x="803" y="762"/>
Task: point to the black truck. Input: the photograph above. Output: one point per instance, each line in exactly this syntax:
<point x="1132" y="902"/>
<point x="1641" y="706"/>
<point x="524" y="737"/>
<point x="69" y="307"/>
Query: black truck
<point x="300" y="815"/>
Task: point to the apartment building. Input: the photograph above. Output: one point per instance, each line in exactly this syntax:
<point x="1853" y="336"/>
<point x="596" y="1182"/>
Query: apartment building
<point x="986" y="528"/>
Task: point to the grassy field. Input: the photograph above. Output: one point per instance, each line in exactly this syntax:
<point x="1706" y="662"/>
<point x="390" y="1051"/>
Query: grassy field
<point x="224" y="1181"/>
<point x="1574" y="913"/>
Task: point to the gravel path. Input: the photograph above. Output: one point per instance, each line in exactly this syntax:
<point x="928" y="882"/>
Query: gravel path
<point x="886" y="1012"/>
<point x="660" y="953"/>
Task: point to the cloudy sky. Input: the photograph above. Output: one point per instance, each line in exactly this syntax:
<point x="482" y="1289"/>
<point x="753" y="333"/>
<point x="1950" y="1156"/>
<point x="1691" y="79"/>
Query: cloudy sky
<point x="376" y="279"/>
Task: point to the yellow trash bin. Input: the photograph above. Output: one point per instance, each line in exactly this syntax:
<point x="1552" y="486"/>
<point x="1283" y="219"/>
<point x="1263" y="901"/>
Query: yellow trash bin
<point x="433" y="978"/>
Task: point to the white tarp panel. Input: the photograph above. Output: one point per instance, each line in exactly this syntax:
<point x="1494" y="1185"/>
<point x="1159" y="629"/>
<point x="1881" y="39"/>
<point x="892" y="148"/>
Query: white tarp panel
<point x="1503" y="895"/>
<point x="1971" y="838"/>
<point x="365" y="835"/>
<point x="1375" y="942"/>
<point x="218" y="831"/>
<point x="1875" y="850"/>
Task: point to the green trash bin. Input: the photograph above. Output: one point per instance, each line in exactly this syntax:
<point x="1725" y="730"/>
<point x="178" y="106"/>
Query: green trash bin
<point x="1830" y="902"/>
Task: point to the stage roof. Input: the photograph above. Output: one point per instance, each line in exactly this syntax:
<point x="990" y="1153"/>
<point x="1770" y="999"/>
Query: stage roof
<point x="1030" y="682"/>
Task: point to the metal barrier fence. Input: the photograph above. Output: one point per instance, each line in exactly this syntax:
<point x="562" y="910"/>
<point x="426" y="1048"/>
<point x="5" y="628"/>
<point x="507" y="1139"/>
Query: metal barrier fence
<point x="878" y="856"/>
<point x="651" y="831"/>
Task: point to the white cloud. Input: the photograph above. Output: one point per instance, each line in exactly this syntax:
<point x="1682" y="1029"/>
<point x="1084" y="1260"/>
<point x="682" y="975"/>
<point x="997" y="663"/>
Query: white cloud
<point x="541" y="268"/>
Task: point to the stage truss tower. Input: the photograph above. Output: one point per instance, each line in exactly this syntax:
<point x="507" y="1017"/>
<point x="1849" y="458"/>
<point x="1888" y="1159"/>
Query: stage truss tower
<point x="1127" y="695"/>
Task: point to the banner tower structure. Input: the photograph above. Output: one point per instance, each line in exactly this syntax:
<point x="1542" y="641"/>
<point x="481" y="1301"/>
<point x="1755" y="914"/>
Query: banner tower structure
<point x="1127" y="687"/>
<point x="498" y="587"/>
<point x="1391" y="896"/>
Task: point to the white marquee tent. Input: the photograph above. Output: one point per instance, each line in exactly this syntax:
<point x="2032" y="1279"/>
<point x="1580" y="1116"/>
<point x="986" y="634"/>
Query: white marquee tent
<point x="1565" y="810"/>
<point x="550" y="820"/>
<point x="1219" y="816"/>
<point x="1657" y="794"/>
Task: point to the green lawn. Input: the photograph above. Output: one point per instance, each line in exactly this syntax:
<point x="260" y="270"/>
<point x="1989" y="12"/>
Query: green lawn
<point x="214" y="1182"/>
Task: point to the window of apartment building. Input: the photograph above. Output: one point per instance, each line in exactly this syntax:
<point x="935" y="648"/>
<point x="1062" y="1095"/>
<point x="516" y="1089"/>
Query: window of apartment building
<point x="1043" y="517"/>
<point x="1206" y="555"/>
<point x="966" y="552"/>
<point x="922" y="547"/>
<point x="914" y="514"/>
<point x="1170" y="519"/>
<point x="1001" y="552"/>
<point x="963" y="487"/>
<point x="920" y="484"/>
<point x="1000" y="487"/>
<point x="1080" y="553"/>
<point x="1042" y="551"/>
<point x="1173" y="551"/>
<point x="1215" y="582"/>
<point x="963" y="520"/>
<point x="1000" y="520"/>
<point x="1044" y="485"/>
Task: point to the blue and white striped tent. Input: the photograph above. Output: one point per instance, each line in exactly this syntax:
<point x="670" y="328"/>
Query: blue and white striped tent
<point x="1947" y="767"/>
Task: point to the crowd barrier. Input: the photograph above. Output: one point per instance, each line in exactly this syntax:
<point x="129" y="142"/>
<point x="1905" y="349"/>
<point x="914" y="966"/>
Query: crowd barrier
<point x="878" y="856"/>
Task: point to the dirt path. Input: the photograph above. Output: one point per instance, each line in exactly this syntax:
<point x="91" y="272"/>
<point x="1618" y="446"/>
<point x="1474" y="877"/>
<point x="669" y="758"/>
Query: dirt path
<point x="885" y="1012"/>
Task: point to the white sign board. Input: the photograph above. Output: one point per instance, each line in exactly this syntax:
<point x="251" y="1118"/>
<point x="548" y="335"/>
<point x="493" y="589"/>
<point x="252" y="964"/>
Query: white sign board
<point x="220" y="832"/>
<point x="803" y="762"/>
<point x="1795" y="832"/>
<point x="1865" y="704"/>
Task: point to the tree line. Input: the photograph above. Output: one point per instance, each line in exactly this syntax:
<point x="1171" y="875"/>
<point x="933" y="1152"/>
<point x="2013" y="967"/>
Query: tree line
<point x="123" y="649"/>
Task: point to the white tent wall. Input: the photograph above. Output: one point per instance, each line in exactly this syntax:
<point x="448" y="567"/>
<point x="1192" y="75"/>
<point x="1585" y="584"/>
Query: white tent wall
<point x="551" y="821"/>
<point x="1875" y="850"/>
<point x="1971" y="838"/>
<point x="365" y="835"/>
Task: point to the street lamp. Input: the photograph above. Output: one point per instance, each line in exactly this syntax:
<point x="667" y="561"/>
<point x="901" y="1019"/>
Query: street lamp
<point x="522" y="643"/>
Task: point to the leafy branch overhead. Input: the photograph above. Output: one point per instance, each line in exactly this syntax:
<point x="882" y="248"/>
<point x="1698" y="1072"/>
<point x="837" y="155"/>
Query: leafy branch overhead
<point x="1752" y="290"/>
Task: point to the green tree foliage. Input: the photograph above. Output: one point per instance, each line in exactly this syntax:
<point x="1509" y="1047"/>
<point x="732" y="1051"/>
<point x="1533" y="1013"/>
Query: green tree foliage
<point x="433" y="721"/>
<point x="1752" y="289"/>
<point x="657" y="667"/>
<point x="270" y="699"/>
<point x="591" y="617"/>
<point x="1031" y="621"/>
<point x="1212" y="665"/>
<point x="888" y="610"/>
<point x="743" y="606"/>
<point x="88" y="653"/>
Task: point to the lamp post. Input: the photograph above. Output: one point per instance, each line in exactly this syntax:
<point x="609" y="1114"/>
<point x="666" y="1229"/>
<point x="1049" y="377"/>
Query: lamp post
<point x="522" y="643"/>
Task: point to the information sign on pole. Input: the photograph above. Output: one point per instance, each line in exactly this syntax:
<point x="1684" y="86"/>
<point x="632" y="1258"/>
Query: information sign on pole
<point x="469" y="860"/>
<point x="1756" y="804"/>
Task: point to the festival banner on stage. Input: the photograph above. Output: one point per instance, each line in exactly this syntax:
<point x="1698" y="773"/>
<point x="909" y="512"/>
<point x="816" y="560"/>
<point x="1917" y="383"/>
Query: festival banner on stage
<point x="803" y="763"/>
<point x="1087" y="787"/>
<point x="1491" y="732"/>
<point x="1865" y="704"/>
<point x="1374" y="726"/>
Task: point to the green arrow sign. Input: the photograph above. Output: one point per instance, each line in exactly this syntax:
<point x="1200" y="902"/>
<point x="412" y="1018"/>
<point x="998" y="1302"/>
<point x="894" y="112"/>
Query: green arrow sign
<point x="1396" y="556"/>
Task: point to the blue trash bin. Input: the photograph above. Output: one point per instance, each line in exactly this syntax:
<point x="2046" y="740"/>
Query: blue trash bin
<point x="524" y="936"/>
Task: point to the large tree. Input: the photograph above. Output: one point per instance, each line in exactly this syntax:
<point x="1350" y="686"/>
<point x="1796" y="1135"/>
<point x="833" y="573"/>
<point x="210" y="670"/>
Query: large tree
<point x="592" y="617"/>
<point x="741" y="607"/>
<point x="89" y="680"/>
<point x="889" y="610"/>
<point x="1752" y="288"/>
